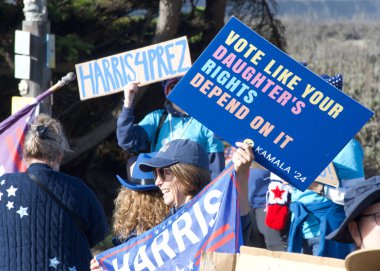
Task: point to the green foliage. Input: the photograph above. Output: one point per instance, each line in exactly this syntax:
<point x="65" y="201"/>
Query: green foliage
<point x="10" y="17"/>
<point x="104" y="245"/>
<point x="70" y="47"/>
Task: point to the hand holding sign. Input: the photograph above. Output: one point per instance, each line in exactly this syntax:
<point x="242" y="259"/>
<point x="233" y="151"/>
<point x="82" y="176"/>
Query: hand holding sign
<point x="130" y="91"/>
<point x="242" y="158"/>
<point x="244" y="87"/>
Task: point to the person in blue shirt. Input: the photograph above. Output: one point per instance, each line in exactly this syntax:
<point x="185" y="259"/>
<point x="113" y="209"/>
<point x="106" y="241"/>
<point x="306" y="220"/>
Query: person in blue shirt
<point x="164" y="125"/>
<point x="315" y="215"/>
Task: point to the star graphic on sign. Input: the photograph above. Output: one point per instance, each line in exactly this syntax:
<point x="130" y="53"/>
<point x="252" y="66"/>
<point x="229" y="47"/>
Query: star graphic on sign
<point x="22" y="211"/>
<point x="72" y="268"/>
<point x="277" y="192"/>
<point x="177" y="269"/>
<point x="11" y="191"/>
<point x="54" y="262"/>
<point x="10" y="205"/>
<point x="191" y="265"/>
<point x="2" y="182"/>
<point x="1" y="194"/>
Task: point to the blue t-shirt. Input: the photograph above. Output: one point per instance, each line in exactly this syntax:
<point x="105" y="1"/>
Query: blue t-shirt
<point x="180" y="128"/>
<point x="258" y="183"/>
<point x="348" y="165"/>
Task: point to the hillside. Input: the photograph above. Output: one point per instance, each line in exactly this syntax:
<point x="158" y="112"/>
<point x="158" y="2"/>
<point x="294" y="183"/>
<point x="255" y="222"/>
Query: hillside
<point x="351" y="48"/>
<point x="329" y="9"/>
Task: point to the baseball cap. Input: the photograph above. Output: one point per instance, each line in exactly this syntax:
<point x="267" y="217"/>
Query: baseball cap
<point x="184" y="151"/>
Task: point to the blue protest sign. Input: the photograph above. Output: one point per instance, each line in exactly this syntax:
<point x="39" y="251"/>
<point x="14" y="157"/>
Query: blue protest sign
<point x="209" y="222"/>
<point x="243" y="87"/>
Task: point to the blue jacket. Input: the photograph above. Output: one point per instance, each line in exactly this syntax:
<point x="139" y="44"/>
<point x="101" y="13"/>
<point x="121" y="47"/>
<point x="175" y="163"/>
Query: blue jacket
<point x="137" y="137"/>
<point x="35" y="232"/>
<point x="258" y="183"/>
<point x="330" y="215"/>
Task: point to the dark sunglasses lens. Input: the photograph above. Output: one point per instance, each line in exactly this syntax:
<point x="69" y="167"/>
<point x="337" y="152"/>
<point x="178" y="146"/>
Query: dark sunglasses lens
<point x="159" y="172"/>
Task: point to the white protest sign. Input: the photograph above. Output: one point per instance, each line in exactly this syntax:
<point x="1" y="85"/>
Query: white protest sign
<point x="147" y="65"/>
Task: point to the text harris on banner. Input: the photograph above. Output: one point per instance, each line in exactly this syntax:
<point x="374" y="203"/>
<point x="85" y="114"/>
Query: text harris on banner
<point x="209" y="222"/>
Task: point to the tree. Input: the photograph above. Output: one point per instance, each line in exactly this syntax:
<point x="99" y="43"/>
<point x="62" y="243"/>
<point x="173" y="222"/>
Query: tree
<point x="168" y="20"/>
<point x="213" y="19"/>
<point x="91" y="29"/>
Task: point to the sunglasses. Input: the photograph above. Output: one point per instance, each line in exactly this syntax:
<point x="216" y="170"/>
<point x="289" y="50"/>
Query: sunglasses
<point x="162" y="173"/>
<point x="376" y="217"/>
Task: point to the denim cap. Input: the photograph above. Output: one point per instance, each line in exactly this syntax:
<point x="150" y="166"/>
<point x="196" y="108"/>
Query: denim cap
<point x="358" y="198"/>
<point x="336" y="80"/>
<point x="184" y="151"/>
<point x="136" y="179"/>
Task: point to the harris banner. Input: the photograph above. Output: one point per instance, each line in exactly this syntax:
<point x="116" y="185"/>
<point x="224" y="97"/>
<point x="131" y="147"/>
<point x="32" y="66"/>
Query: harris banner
<point x="210" y="222"/>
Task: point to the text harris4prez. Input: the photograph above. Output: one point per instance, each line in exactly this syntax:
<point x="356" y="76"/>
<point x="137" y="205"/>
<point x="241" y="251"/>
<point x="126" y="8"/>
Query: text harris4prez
<point x="145" y="65"/>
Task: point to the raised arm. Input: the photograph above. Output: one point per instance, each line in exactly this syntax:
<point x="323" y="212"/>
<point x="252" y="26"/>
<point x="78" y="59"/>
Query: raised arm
<point x="242" y="160"/>
<point x="130" y="136"/>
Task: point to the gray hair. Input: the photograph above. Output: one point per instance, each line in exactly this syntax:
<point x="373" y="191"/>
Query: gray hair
<point x="45" y="140"/>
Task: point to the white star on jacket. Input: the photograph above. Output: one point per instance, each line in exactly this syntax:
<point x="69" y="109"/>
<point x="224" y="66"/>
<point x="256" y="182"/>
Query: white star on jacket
<point x="10" y="205"/>
<point x="22" y="211"/>
<point x="11" y="191"/>
<point x="54" y="262"/>
<point x="1" y="194"/>
<point x="72" y="268"/>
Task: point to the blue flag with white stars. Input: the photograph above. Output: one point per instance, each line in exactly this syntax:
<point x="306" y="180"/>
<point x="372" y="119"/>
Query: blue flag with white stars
<point x="209" y="222"/>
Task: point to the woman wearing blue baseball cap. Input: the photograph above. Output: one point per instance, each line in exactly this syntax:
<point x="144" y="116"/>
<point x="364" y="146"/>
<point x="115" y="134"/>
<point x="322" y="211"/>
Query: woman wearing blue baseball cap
<point x="181" y="171"/>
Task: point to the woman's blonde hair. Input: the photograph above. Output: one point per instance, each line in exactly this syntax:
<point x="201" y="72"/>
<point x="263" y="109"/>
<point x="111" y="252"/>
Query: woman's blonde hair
<point x="139" y="211"/>
<point x="192" y="178"/>
<point x="45" y="140"/>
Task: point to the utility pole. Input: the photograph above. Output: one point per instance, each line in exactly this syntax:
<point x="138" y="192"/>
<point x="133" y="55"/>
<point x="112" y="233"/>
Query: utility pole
<point x="37" y="79"/>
